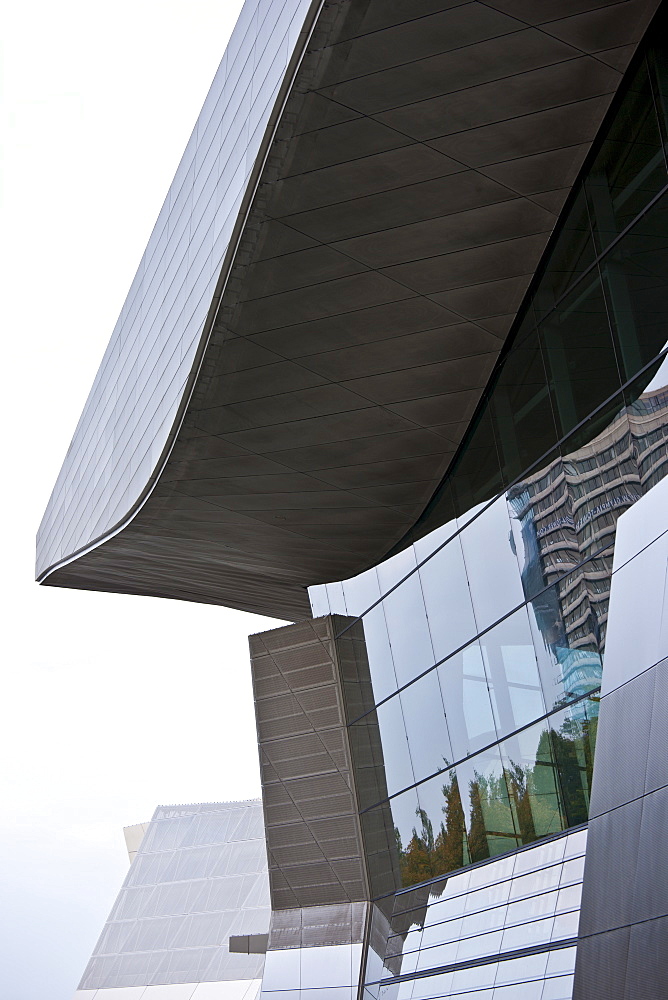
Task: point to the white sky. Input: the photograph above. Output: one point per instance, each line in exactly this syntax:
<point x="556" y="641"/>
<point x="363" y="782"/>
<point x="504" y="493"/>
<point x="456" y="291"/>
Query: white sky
<point x="110" y="704"/>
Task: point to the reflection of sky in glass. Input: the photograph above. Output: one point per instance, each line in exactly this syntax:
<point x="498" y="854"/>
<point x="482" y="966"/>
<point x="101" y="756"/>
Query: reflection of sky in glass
<point x="483" y="913"/>
<point x="661" y="378"/>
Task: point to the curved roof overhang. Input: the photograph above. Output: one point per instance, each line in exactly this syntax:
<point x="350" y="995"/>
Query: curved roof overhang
<point x="408" y="191"/>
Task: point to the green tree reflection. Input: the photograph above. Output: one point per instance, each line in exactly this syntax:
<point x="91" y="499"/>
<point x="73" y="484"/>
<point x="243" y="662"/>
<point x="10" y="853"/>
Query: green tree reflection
<point x="517" y="805"/>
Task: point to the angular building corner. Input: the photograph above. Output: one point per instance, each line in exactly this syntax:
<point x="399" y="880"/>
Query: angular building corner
<point x="393" y="368"/>
<point x="192" y="916"/>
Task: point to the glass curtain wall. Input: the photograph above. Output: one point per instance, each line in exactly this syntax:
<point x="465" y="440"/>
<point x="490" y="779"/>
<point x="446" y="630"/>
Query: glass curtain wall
<point x="485" y="634"/>
<point x="524" y="906"/>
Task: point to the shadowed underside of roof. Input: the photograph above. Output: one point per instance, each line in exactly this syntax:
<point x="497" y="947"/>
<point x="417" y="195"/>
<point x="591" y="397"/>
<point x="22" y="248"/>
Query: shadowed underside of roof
<point x="417" y="172"/>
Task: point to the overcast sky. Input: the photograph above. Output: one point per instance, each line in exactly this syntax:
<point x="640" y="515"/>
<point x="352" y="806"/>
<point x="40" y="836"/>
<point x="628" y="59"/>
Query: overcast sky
<point x="111" y="705"/>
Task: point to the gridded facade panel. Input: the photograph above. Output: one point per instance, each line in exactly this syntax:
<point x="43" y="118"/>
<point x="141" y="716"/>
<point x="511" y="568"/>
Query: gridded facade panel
<point x="199" y="878"/>
<point x="518" y="908"/>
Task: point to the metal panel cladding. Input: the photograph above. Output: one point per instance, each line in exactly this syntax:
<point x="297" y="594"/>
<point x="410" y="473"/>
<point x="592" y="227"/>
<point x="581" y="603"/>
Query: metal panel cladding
<point x="132" y="407"/>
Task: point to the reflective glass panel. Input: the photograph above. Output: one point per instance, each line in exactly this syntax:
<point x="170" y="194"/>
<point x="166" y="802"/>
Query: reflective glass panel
<point x="491" y="564"/>
<point x="533" y="783"/>
<point x="398" y="767"/>
<point x="448" y="599"/>
<point x="408" y="630"/>
<point x="510" y="661"/>
<point x="444" y="819"/>
<point x="630" y="167"/>
<point x="379" y="653"/>
<point x="467" y="700"/>
<point x="573" y="253"/>
<point x="579" y="354"/>
<point x="361" y="592"/>
<point x="521" y="406"/>
<point x="635" y="282"/>
<point x="426" y="726"/>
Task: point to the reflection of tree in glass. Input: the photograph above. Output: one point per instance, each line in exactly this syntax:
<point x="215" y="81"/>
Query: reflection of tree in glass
<point x="519" y="783"/>
<point x="573" y="748"/>
<point x="517" y="806"/>
<point x="427" y="856"/>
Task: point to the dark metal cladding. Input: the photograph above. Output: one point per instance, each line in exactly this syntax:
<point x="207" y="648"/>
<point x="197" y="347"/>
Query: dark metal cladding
<point x="308" y="685"/>
<point x="415" y="176"/>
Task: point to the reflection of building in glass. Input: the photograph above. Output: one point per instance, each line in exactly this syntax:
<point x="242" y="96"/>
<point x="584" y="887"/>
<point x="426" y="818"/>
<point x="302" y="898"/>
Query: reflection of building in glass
<point x="568" y="512"/>
<point x="413" y="254"/>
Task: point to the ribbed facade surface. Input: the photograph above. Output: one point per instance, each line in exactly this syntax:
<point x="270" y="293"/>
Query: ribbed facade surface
<point x="198" y="879"/>
<point x="430" y="398"/>
<point x="133" y="404"/>
<point x="397" y="173"/>
<point x="625" y="920"/>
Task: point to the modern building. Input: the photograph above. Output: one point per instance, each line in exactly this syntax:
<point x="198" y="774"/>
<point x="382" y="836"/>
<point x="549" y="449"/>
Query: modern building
<point x="393" y="368"/>
<point x="192" y="917"/>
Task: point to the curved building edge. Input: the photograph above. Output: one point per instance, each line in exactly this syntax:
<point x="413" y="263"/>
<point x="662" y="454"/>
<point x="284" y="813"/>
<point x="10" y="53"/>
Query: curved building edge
<point x="42" y="574"/>
<point x="245" y="559"/>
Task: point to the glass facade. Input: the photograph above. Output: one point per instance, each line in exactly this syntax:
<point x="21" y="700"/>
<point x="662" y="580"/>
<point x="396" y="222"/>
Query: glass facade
<point x="485" y="636"/>
<point x="199" y="878"/>
<point x="507" y="925"/>
<point x="299" y="973"/>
